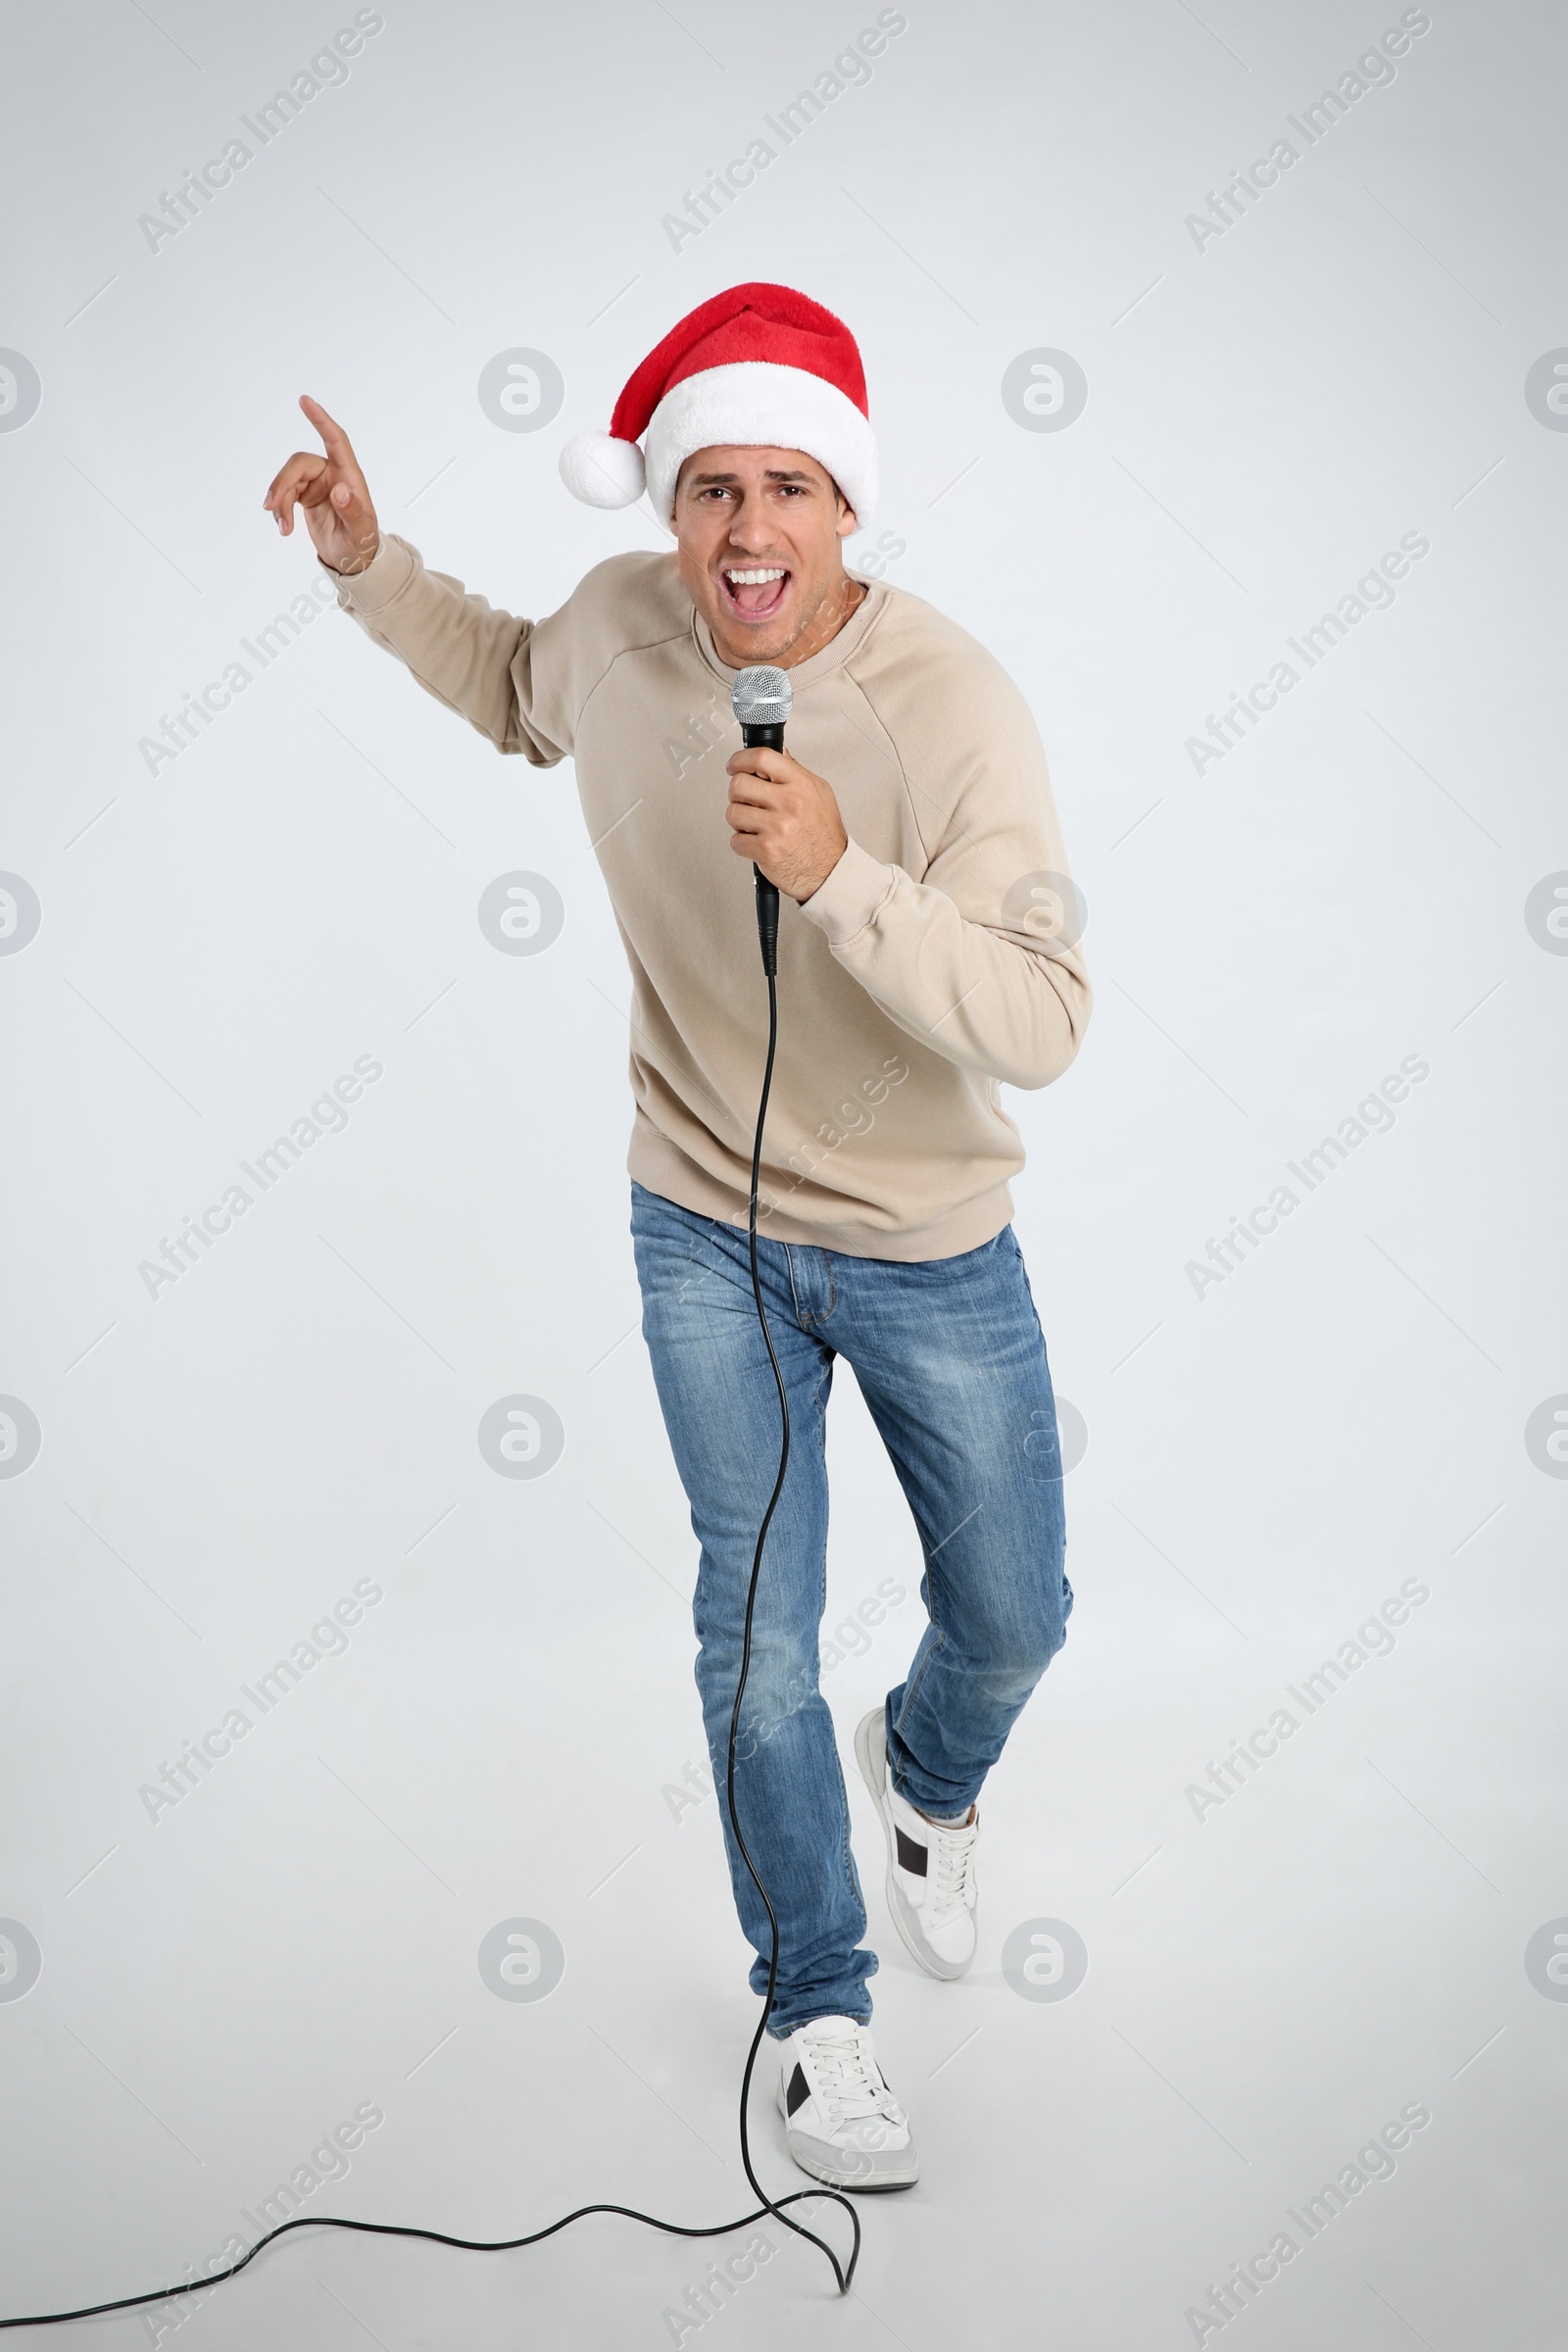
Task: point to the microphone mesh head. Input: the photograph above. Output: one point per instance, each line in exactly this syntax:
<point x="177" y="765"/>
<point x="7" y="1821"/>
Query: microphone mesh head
<point x="762" y="697"/>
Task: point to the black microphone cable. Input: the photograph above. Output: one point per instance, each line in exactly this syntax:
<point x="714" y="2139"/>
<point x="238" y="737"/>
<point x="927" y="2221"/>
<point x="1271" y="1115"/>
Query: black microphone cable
<point x="843" y="2272"/>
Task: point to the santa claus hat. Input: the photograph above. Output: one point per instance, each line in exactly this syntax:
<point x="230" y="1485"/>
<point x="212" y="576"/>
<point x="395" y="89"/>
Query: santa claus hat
<point x="758" y="367"/>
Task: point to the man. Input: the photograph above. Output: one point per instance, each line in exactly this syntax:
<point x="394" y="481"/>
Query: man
<point x="911" y="822"/>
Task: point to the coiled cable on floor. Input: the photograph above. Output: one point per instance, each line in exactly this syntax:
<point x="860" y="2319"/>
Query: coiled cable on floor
<point x="844" y="2272"/>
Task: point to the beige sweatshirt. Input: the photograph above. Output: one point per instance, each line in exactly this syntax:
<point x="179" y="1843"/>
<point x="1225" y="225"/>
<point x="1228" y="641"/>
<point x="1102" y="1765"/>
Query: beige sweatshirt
<point x="915" y="979"/>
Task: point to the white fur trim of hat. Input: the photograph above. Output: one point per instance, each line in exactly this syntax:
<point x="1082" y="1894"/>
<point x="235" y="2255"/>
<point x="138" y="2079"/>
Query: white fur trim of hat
<point x="756" y="404"/>
<point x="753" y="403"/>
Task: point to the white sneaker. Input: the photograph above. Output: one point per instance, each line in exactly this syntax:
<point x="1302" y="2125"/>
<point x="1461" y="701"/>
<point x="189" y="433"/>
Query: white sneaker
<point x="843" y="2124"/>
<point x="931" y="1883"/>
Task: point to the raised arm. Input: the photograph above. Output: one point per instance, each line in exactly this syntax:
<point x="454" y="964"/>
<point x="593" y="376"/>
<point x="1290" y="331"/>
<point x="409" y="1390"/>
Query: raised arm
<point x="461" y="649"/>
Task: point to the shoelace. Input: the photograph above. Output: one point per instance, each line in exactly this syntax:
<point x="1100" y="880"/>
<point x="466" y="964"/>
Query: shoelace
<point x="954" y="1850"/>
<point x="849" y="2078"/>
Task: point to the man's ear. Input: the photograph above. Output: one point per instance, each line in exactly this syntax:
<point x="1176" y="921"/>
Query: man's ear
<point x="848" y="522"/>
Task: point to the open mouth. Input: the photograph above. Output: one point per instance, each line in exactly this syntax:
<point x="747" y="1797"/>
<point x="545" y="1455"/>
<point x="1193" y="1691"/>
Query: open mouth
<point x="754" y="591"/>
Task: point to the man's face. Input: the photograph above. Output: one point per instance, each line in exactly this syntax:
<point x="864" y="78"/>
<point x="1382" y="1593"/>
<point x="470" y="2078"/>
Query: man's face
<point x="776" y="513"/>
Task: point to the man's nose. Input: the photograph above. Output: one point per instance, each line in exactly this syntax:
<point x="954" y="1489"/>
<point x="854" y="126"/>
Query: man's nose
<point x="750" y="528"/>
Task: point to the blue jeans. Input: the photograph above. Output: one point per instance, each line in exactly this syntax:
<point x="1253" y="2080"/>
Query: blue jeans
<point x="951" y="1360"/>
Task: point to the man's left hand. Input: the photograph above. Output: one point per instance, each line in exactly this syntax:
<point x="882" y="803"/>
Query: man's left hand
<point x="785" y="820"/>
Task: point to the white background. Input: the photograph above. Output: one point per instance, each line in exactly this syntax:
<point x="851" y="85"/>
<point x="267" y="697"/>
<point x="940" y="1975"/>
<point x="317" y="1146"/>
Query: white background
<point x="1266" y="1463"/>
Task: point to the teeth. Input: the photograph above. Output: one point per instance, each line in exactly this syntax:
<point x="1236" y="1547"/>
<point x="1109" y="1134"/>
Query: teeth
<point x="755" y="579"/>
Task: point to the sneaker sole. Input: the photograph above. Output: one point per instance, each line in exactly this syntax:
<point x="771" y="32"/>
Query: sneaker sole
<point x="837" y="2168"/>
<point x="871" y="1755"/>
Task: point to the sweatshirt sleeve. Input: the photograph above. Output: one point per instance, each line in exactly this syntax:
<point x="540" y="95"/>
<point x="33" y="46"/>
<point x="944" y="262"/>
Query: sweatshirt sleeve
<point x="490" y="666"/>
<point x="977" y="955"/>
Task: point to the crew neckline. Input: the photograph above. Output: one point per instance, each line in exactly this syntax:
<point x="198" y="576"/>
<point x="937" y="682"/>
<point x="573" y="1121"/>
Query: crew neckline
<point x="829" y="656"/>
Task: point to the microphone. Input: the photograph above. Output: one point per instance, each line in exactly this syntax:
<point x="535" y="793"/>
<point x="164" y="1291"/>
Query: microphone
<point x="762" y="698"/>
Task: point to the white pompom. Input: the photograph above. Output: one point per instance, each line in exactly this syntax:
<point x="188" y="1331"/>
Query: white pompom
<point x="603" y="472"/>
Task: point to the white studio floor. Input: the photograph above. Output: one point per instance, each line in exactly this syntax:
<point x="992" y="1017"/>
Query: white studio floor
<point x="1266" y="1992"/>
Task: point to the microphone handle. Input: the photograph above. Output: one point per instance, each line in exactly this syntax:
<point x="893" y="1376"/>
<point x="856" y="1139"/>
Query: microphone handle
<point x="767" y="922"/>
<point x="769" y="739"/>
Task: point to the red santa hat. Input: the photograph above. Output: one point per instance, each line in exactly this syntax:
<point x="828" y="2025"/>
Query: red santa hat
<point x="758" y="367"/>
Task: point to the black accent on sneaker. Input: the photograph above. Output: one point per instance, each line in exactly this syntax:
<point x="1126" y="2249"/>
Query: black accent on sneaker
<point x="799" y="2092"/>
<point x="912" y="1857"/>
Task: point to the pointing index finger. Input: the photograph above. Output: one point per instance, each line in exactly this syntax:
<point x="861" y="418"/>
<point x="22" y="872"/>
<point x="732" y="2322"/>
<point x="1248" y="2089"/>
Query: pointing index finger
<point x="334" y="439"/>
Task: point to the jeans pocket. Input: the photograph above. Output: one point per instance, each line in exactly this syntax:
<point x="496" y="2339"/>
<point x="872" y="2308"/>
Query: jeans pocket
<point x="967" y="1266"/>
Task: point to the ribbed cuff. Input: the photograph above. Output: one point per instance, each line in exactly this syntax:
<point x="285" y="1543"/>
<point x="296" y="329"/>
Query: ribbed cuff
<point x="384" y="577"/>
<point x="850" y="895"/>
